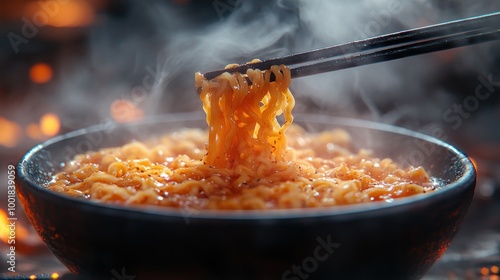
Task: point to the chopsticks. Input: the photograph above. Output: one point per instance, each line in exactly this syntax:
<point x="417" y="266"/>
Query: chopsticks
<point x="392" y="46"/>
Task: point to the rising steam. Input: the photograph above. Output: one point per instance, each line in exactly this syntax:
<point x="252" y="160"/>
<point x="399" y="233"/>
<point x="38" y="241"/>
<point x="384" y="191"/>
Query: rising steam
<point x="150" y="53"/>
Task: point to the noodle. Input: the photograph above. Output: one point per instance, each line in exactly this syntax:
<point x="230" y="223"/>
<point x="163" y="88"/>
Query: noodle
<point x="255" y="158"/>
<point x="242" y="118"/>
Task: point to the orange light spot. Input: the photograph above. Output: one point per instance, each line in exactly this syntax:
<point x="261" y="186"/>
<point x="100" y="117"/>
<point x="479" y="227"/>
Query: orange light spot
<point x="54" y="275"/>
<point x="40" y="73"/>
<point x="124" y="111"/>
<point x="32" y="276"/>
<point x="21" y="231"/>
<point x="495" y="269"/>
<point x="4" y="229"/>
<point x="61" y="14"/>
<point x="494" y="277"/>
<point x="50" y="124"/>
<point x="485" y="271"/>
<point x="10" y="132"/>
<point x="34" y="131"/>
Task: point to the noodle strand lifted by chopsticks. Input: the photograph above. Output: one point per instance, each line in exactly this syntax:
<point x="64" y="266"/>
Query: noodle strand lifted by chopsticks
<point x="242" y="118"/>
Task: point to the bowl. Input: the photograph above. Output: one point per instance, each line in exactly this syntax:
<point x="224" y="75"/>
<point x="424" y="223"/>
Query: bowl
<point x="379" y="240"/>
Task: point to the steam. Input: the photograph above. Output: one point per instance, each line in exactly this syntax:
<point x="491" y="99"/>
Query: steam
<point x="165" y="45"/>
<point x="253" y="30"/>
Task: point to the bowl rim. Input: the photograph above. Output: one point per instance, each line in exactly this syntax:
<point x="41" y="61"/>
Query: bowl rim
<point x="465" y="180"/>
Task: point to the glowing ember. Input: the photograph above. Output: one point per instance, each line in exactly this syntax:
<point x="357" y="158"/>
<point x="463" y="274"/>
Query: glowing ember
<point x="495" y="269"/>
<point x="124" y="111"/>
<point x="40" y="73"/>
<point x="10" y="133"/>
<point x="50" y="124"/>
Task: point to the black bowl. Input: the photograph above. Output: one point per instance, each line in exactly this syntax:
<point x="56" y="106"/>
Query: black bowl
<point x="380" y="240"/>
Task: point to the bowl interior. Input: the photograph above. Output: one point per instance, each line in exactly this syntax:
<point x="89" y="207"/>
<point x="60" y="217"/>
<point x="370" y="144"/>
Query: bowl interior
<point x="442" y="161"/>
<point x="379" y="240"/>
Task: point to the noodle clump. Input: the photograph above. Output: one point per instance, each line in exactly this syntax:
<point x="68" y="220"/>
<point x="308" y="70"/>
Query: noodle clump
<point x="254" y="159"/>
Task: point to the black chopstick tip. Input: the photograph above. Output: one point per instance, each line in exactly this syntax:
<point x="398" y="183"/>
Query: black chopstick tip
<point x="208" y="76"/>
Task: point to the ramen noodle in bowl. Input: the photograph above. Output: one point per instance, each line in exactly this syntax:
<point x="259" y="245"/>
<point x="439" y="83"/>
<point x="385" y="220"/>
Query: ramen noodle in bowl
<point x="250" y="157"/>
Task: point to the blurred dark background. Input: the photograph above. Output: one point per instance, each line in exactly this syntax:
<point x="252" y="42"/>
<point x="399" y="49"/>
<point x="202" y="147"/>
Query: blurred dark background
<point x="68" y="64"/>
<point x="74" y="63"/>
